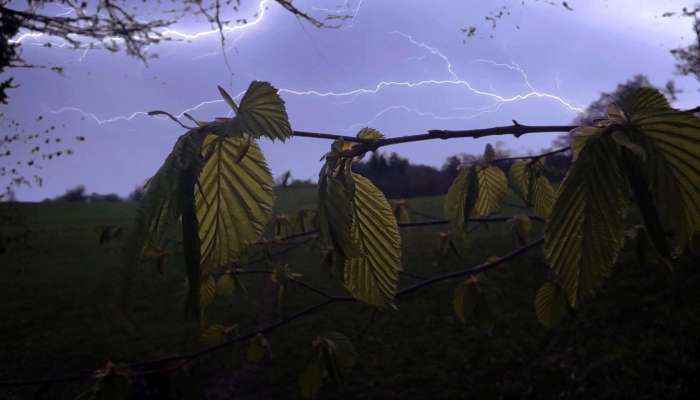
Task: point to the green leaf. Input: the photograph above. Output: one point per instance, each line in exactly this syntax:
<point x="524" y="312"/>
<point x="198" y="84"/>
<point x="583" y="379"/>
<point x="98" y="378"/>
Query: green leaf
<point x="369" y="133"/>
<point x="113" y="383"/>
<point x="585" y="232"/>
<point x="521" y="228"/>
<point x="306" y="221"/>
<point x="214" y="335"/>
<point x="493" y="188"/>
<point x="372" y="277"/>
<point x="257" y="348"/>
<point x="311" y="379"/>
<point x="262" y="112"/>
<point x="671" y="140"/>
<point x="225" y="285"/>
<point x="551" y="304"/>
<point x="282" y="227"/>
<point x="400" y="211"/>
<point x="489" y="153"/>
<point x="632" y="168"/>
<point x="464" y="299"/>
<point x="470" y="304"/>
<point x="519" y="178"/>
<point x="233" y="200"/>
<point x="694" y="244"/>
<point x="343" y="350"/>
<point x="623" y="140"/>
<point x="207" y="292"/>
<point x="462" y="197"/>
<point x="579" y="137"/>
<point x="336" y="190"/>
<point x="542" y="196"/>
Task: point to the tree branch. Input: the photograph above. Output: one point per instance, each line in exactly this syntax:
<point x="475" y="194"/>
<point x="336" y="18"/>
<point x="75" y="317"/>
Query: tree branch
<point x="163" y="364"/>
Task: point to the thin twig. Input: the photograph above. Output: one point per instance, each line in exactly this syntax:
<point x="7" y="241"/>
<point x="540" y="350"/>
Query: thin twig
<point x="159" y="365"/>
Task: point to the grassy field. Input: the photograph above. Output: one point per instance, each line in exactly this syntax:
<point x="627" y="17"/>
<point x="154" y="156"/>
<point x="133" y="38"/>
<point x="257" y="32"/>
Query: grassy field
<point x="59" y="290"/>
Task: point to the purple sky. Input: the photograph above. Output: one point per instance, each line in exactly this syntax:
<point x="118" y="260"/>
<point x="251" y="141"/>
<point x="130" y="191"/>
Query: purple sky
<point x="400" y="66"/>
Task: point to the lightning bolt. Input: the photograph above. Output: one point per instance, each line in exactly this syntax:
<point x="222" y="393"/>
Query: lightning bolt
<point x="455" y="80"/>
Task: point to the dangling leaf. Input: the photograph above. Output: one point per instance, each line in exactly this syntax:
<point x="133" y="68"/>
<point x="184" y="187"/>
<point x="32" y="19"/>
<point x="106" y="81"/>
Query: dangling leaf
<point x="262" y="112"/>
<point x="542" y="196"/>
<point x="464" y="299"/>
<point x="370" y="133"/>
<point x="214" y="335"/>
<point x="207" y="292"/>
<point x="306" y="221"/>
<point x="671" y="140"/>
<point x="462" y="197"/>
<point x="159" y="209"/>
<point x="312" y="378"/>
<point x="521" y="228"/>
<point x="233" y="200"/>
<point x="336" y="190"/>
<point x="694" y="244"/>
<point x="225" y="285"/>
<point x="632" y="168"/>
<point x="551" y="304"/>
<point x="584" y="235"/>
<point x="344" y="352"/>
<point x="470" y="303"/>
<point x="113" y="383"/>
<point x="400" y="211"/>
<point x="257" y="348"/>
<point x="519" y="178"/>
<point x="373" y="276"/>
<point x="493" y="188"/>
<point x="282" y="227"/>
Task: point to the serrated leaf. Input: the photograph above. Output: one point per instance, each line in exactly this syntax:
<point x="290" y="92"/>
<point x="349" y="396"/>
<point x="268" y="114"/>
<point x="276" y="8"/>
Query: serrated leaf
<point x="225" y="285"/>
<point x="400" y="211"/>
<point x="369" y="133"/>
<point x="542" y="196"/>
<point x="694" y="244"/>
<point x="551" y="304"/>
<point x="373" y="276"/>
<point x="493" y="188"/>
<point x="470" y="304"/>
<point x="336" y="213"/>
<point x="306" y="221"/>
<point x="311" y="379"/>
<point x="257" y="348"/>
<point x="654" y="232"/>
<point x="462" y="197"/>
<point x="113" y="383"/>
<point x="623" y="140"/>
<point x="519" y="178"/>
<point x="671" y="140"/>
<point x="521" y="228"/>
<point x="262" y="112"/>
<point x="344" y="352"/>
<point x="233" y="200"/>
<point x="464" y="300"/>
<point x="212" y="336"/>
<point x="207" y="292"/>
<point x="616" y="114"/>
<point x="585" y="232"/>
<point x="282" y="227"/>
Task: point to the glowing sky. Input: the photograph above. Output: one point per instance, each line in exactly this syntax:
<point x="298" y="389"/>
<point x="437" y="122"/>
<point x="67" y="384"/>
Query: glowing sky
<point x="399" y="66"/>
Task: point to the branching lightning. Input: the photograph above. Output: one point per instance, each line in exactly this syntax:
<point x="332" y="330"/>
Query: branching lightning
<point x="454" y="80"/>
